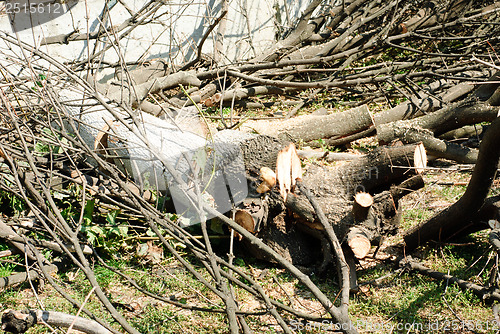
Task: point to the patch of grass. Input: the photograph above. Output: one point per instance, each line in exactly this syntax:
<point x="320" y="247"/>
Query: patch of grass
<point x="430" y="305"/>
<point x="413" y="216"/>
<point x="7" y="269"/>
<point x="159" y="320"/>
<point x="452" y="194"/>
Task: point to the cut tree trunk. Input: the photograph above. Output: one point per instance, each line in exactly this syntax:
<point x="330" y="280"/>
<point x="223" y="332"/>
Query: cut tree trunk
<point x="294" y="232"/>
<point x="268" y="215"/>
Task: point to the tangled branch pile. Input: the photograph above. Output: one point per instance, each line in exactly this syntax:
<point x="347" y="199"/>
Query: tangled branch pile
<point x="73" y="146"/>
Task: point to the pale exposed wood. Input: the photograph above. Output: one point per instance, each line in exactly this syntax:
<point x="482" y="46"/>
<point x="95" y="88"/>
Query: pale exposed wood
<point x="288" y="169"/>
<point x="245" y="220"/>
<point x="359" y="242"/>
<point x="361" y="205"/>
<point x="268" y="175"/>
<point x="269" y="180"/>
<point x="283" y="171"/>
<point x="296" y="171"/>
<point x="263" y="188"/>
<point x="101" y="140"/>
<point x="420" y="158"/>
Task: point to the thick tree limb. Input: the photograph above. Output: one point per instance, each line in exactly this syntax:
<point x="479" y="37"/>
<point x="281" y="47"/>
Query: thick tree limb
<point x="22" y="277"/>
<point x="435" y="147"/>
<point x="139" y="92"/>
<point x="448" y="221"/>
<point x="308" y="128"/>
<point x="464" y="132"/>
<point x="19" y="322"/>
<point x="343" y="267"/>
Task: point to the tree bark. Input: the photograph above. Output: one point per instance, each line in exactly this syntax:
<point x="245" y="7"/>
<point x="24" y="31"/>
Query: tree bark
<point x="435" y="147"/>
<point x="309" y="128"/>
<point x="19" y="322"/>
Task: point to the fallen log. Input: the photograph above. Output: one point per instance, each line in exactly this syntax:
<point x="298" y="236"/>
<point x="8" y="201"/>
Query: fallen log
<point x="380" y="168"/>
<point x="309" y="128"/>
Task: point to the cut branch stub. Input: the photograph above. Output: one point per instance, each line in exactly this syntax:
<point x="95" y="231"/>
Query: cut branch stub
<point x="361" y="205"/>
<point x="269" y="180"/>
<point x="359" y="242"/>
<point x="16" y="322"/>
<point x="245" y="220"/>
<point x="101" y="142"/>
<point x="251" y="214"/>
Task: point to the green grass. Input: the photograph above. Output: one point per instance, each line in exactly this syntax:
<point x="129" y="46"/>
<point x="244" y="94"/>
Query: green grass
<point x="409" y="298"/>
